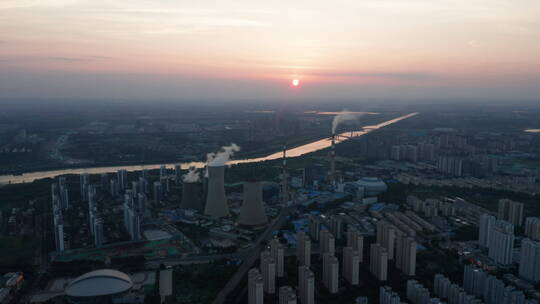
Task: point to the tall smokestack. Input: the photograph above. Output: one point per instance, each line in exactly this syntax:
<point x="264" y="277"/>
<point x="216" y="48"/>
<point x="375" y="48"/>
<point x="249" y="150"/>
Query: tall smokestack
<point x="191" y="196"/>
<point x="284" y="186"/>
<point x="216" y="201"/>
<point x="333" y="160"/>
<point x="252" y="212"/>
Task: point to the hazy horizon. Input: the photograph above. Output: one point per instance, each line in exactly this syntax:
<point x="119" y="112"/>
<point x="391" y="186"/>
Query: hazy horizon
<point x="391" y="49"/>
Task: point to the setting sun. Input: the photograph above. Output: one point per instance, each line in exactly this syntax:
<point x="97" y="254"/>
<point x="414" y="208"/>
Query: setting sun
<point x="295" y="82"/>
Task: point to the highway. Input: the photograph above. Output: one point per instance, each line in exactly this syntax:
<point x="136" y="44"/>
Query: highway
<point x="241" y="273"/>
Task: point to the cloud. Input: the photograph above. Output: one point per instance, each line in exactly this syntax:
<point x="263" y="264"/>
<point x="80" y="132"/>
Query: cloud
<point x="66" y="59"/>
<point x="21" y="4"/>
<point x="81" y="58"/>
<point x="77" y="58"/>
<point x="391" y="75"/>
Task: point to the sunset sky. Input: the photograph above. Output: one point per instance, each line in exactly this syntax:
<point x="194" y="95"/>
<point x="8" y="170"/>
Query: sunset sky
<point x="253" y="49"/>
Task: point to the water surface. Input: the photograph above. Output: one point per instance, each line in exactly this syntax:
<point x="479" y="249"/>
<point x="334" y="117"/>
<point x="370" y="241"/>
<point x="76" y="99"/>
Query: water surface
<point x="293" y="152"/>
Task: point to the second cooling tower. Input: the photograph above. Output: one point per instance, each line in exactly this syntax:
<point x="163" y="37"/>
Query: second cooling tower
<point x="191" y="196"/>
<point x="216" y="200"/>
<point x="252" y="212"/>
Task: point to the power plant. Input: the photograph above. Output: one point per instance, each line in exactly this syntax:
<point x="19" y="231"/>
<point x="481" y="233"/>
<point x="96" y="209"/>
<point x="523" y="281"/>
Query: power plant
<point x="252" y="212"/>
<point x="192" y="196"/>
<point x="216" y="200"/>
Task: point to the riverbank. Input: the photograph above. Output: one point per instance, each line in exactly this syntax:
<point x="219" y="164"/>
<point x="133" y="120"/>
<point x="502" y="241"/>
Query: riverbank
<point x="291" y="152"/>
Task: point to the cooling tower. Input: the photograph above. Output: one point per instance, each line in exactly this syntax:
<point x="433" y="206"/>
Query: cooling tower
<point x="216" y="201"/>
<point x="252" y="212"/>
<point x="191" y="196"/>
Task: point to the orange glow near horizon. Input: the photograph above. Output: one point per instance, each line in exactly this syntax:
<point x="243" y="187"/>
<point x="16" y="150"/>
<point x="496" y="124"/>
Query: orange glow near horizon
<point x="377" y="47"/>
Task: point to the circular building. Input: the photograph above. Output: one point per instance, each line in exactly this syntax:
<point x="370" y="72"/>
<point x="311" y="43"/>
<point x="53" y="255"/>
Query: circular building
<point x="98" y="286"/>
<point x="372" y="185"/>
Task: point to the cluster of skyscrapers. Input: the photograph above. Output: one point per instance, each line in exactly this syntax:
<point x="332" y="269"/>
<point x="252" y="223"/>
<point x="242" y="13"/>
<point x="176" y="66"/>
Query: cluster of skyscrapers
<point x="388" y="296"/>
<point x="392" y="244"/>
<point x="498" y="237"/>
<point x="418" y="294"/>
<point x="491" y="289"/>
<point x="511" y="212"/>
<point x="94" y="216"/>
<point x="60" y="202"/>
<point x="413" y="153"/>
<point x="272" y="266"/>
<point x="135" y="205"/>
<point x="263" y="280"/>
<point x="453" y="293"/>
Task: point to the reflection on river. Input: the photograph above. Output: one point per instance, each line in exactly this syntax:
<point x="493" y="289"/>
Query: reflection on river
<point x="294" y="152"/>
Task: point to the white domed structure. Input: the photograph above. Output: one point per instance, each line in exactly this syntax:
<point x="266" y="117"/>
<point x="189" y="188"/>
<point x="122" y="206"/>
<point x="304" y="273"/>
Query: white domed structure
<point x="98" y="284"/>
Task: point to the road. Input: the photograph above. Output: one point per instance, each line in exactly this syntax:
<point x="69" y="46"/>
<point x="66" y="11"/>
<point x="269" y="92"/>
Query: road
<point x="240" y="274"/>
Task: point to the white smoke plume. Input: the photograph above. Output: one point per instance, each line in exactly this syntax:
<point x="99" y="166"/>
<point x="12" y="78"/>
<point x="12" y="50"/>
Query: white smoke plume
<point x="343" y="117"/>
<point x="221" y="157"/>
<point x="192" y="176"/>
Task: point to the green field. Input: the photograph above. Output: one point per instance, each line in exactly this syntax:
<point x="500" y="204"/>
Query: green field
<point x="199" y="283"/>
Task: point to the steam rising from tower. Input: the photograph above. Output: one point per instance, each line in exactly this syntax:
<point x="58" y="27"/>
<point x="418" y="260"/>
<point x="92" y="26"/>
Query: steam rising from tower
<point x="221" y="157"/>
<point x="192" y="176"/>
<point x="342" y="117"/>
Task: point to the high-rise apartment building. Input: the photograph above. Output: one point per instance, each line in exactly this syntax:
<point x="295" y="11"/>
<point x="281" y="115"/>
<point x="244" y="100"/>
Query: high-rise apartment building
<point x="501" y="245"/>
<point x="268" y="271"/>
<point x="511" y="211"/>
<point x="351" y="263"/>
<point x="287" y="295"/>
<point x="529" y="265"/>
<point x="277" y="250"/>
<point x="387" y="296"/>
<point x="532" y="228"/>
<point x="378" y="262"/>
<point x="255" y="287"/>
<point x="485" y="225"/>
<point x="405" y="254"/>
<point x="386" y="237"/>
<point x="330" y="272"/>
<point x="327" y="242"/>
<point x="356" y="240"/>
<point x="303" y="249"/>
<point x="306" y="285"/>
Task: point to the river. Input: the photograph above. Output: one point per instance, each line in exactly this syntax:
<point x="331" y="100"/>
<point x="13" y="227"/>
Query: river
<point x="294" y="152"/>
